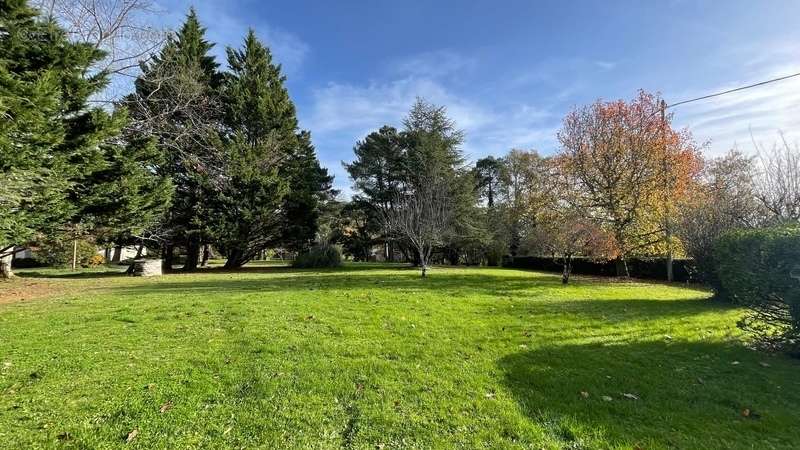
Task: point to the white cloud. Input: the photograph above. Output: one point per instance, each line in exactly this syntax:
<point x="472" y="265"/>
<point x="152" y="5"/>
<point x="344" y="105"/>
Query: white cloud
<point x="606" y="65"/>
<point x="738" y="118"/>
<point x="225" y="27"/>
<point x="434" y="64"/>
<point x="342" y="113"/>
<point x="356" y="110"/>
<point x="340" y="107"/>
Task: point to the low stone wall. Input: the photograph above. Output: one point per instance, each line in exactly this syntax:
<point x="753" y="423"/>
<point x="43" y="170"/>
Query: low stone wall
<point x="147" y="268"/>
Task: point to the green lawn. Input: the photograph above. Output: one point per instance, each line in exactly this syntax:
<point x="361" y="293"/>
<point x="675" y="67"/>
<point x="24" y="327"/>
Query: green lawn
<point x="372" y="356"/>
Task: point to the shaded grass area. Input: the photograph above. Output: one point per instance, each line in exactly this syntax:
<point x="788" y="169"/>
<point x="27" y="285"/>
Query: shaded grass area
<point x="372" y="355"/>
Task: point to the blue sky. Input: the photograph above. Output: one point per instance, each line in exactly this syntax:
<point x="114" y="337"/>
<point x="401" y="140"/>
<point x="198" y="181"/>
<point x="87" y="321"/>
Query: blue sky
<point x="508" y="71"/>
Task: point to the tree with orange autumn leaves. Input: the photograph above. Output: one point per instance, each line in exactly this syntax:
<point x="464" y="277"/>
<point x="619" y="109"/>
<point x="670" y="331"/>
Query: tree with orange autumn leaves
<point x="628" y="169"/>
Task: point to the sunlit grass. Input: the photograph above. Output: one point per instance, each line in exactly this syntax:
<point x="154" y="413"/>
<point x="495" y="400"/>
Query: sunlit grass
<point x="370" y="355"/>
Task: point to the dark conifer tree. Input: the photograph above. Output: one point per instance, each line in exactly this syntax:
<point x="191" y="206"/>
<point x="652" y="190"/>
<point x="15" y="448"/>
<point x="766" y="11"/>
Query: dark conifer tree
<point x="63" y="164"/>
<point x="271" y="184"/>
<point x="176" y="101"/>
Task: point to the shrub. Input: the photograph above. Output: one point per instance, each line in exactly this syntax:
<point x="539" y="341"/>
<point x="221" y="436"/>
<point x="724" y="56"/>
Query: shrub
<point x="57" y="252"/>
<point x="760" y="269"/>
<point x="319" y="256"/>
<point x="25" y="263"/>
<point x="95" y="261"/>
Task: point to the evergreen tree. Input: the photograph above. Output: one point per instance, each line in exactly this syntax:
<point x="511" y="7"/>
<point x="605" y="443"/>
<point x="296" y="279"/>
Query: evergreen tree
<point x="311" y="191"/>
<point x="379" y="177"/>
<point x="56" y="150"/>
<point x="433" y="155"/>
<point x="260" y="145"/>
<point x="176" y="101"/>
<point x="32" y="175"/>
<point x="127" y="196"/>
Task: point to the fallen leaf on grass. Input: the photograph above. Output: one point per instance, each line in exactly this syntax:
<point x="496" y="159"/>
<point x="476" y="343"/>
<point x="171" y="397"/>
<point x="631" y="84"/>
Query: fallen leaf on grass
<point x="227" y="430"/>
<point x="764" y="364"/>
<point x="750" y="414"/>
<point x="630" y="396"/>
<point x="132" y="435"/>
<point x="65" y="436"/>
<point x="165" y="407"/>
<point x="607" y="398"/>
<point x="489" y="395"/>
<point x="735" y="363"/>
<point x="584" y="394"/>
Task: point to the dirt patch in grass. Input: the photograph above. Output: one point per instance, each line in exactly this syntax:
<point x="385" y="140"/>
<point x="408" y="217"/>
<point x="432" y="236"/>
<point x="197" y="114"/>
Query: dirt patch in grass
<point x="23" y="290"/>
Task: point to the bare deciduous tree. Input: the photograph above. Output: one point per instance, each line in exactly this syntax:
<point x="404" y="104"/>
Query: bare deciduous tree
<point x="173" y="104"/>
<point x="724" y="200"/>
<point x="423" y="218"/>
<point x="118" y="27"/>
<point x="778" y="180"/>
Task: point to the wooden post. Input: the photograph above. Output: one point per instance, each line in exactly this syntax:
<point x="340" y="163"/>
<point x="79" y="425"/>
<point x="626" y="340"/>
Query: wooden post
<point x="74" y="253"/>
<point x="667" y="189"/>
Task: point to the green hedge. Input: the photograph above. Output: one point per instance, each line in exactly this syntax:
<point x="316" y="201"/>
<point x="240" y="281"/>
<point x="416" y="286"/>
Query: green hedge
<point x="760" y="269"/>
<point x="319" y="256"/>
<point x="645" y="268"/>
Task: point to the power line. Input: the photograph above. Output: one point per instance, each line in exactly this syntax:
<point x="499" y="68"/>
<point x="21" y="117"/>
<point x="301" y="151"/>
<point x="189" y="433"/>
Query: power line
<point x="683" y="102"/>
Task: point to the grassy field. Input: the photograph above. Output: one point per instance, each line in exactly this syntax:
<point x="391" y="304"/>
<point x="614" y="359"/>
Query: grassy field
<point x="373" y="356"/>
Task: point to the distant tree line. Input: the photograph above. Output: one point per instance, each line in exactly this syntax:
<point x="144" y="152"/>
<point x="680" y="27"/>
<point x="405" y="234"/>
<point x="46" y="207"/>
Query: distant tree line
<point x="623" y="183"/>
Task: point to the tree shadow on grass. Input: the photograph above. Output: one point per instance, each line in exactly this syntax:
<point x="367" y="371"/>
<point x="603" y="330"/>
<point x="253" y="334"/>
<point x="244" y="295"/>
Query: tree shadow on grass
<point x="658" y="394"/>
<point x="72" y="275"/>
<point x="613" y="310"/>
<point x="400" y="280"/>
<point x="498" y="294"/>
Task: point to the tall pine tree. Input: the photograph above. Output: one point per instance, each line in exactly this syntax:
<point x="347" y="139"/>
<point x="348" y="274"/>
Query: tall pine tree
<point x="379" y="177"/>
<point x="259" y="136"/>
<point x="56" y="149"/>
<point x="311" y="192"/>
<point x="271" y="184"/>
<point x="176" y="101"/>
<point x="32" y="175"/>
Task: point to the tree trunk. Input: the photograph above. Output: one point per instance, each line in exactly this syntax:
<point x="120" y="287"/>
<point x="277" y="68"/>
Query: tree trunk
<point x="132" y="266"/>
<point x="117" y="254"/>
<point x="5" y="267"/>
<point x="235" y="259"/>
<point x="192" y="254"/>
<point x="168" y="258"/>
<point x="567" y="270"/>
<point x="206" y="255"/>
<point x="622" y="267"/>
<point x="424" y="257"/>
